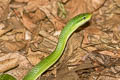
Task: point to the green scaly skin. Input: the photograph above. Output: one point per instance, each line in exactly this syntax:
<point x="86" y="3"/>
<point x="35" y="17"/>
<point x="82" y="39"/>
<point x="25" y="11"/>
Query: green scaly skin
<point x="6" y="77"/>
<point x="46" y="63"/>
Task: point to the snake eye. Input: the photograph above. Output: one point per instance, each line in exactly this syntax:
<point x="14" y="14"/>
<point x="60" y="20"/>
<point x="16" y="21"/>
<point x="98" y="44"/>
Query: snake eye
<point x="84" y="17"/>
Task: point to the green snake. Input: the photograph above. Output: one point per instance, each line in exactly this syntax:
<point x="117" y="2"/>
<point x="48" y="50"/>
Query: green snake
<point x="47" y="62"/>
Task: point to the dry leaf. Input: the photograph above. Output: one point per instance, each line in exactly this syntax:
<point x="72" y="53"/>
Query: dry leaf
<point x="20" y="37"/>
<point x="109" y="53"/>
<point x="93" y="5"/>
<point x="49" y="8"/>
<point x="35" y="57"/>
<point x="8" y="64"/>
<point x="2" y="32"/>
<point x="8" y="61"/>
<point x="17" y="6"/>
<point x="11" y="46"/>
<point x="46" y="43"/>
<point x="15" y="22"/>
<point x="117" y="2"/>
<point x="75" y="7"/>
<point x="91" y="30"/>
<point x="22" y="1"/>
<point x="48" y="36"/>
<point x="33" y="4"/>
<point x="46" y="26"/>
<point x="4" y="8"/>
<point x="28" y="24"/>
<point x="64" y="1"/>
<point x="57" y="22"/>
<point x="24" y="65"/>
<point x="37" y="16"/>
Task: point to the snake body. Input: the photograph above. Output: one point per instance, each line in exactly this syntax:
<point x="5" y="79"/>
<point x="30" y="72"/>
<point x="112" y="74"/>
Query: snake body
<point x="6" y="77"/>
<point x="47" y="62"/>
